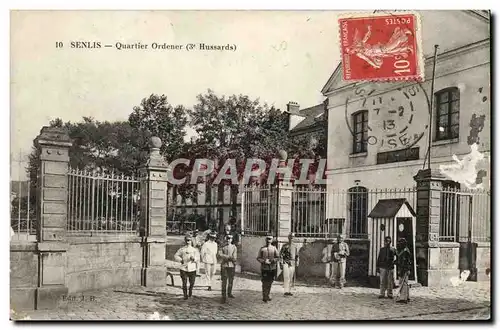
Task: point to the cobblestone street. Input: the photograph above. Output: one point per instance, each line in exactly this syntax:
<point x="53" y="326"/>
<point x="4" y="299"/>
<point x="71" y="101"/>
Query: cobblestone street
<point x="466" y="301"/>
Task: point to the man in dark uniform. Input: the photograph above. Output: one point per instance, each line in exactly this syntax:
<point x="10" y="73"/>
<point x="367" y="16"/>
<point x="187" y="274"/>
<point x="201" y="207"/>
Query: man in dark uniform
<point x="228" y="255"/>
<point x="228" y="230"/>
<point x="268" y="257"/>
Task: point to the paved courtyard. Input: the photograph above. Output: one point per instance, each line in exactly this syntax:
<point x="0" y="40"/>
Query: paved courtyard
<point x="311" y="302"/>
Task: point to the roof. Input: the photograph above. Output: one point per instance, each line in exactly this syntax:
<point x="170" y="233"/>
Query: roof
<point x="388" y="208"/>
<point x="312" y="115"/>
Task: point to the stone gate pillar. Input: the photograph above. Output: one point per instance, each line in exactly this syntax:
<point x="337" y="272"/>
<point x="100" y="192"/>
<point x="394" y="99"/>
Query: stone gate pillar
<point x="52" y="190"/>
<point x="153" y="181"/>
<point x="283" y="189"/>
<point x="437" y="261"/>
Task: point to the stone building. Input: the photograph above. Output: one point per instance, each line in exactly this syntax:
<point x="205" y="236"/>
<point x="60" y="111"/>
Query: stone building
<point x="378" y="145"/>
<point x="306" y="122"/>
<point x="378" y="132"/>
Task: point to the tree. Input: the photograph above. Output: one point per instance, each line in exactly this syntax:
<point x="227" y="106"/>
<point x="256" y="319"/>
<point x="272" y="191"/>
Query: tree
<point x="102" y="146"/>
<point x="156" y="116"/>
<point x="239" y="128"/>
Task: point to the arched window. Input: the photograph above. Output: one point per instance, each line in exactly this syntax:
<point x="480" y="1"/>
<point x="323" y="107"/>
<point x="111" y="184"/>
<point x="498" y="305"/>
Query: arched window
<point x="447" y="113"/>
<point x="360" y="131"/>
<point x="358" y="211"/>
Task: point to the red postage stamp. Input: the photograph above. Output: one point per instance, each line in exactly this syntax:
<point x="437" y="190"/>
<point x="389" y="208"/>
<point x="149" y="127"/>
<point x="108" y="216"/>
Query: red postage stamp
<point x="379" y="47"/>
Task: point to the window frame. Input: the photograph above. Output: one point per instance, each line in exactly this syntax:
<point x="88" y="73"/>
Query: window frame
<point x="360" y="117"/>
<point x="449" y="126"/>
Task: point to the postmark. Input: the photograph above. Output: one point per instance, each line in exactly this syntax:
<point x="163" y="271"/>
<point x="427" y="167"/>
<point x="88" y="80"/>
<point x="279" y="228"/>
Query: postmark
<point x="381" y="47"/>
<point x="396" y="119"/>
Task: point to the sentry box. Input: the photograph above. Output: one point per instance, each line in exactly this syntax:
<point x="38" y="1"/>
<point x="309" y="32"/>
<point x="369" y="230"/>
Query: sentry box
<point x="394" y="218"/>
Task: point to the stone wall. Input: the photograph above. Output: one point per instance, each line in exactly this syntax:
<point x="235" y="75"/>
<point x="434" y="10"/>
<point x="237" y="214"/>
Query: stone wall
<point x="483" y="261"/>
<point x="23" y="275"/>
<point x="102" y="262"/>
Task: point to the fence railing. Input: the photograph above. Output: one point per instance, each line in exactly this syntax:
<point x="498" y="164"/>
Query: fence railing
<point x="180" y="227"/>
<point x="256" y="209"/>
<point x="23" y="211"/>
<point x="348" y="209"/>
<point x="309" y="211"/>
<point x="465" y="215"/>
<point x="105" y="203"/>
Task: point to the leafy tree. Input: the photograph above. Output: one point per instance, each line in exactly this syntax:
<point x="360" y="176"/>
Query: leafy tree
<point x="103" y="146"/>
<point x="239" y="128"/>
<point x="156" y="116"/>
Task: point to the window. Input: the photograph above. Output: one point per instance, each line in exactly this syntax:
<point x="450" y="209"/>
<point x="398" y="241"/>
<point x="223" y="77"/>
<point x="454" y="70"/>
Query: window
<point x="447" y="113"/>
<point x="358" y="211"/>
<point x="360" y="131"/>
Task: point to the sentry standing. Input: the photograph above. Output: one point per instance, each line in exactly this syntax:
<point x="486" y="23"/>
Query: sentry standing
<point x="385" y="267"/>
<point x="268" y="257"/>
<point x="340" y="252"/>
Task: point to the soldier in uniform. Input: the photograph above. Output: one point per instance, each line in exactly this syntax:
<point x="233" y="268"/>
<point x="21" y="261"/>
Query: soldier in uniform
<point x="189" y="257"/>
<point x="289" y="258"/>
<point x="209" y="258"/>
<point x="268" y="257"/>
<point x="385" y="267"/>
<point x="228" y="255"/>
<point x="340" y="252"/>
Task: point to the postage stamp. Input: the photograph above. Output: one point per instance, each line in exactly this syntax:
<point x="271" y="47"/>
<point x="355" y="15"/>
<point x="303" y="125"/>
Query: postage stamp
<point x="381" y="47"/>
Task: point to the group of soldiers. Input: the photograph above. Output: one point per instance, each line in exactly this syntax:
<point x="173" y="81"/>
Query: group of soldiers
<point x="209" y="251"/>
<point x="388" y="259"/>
<point x="223" y="248"/>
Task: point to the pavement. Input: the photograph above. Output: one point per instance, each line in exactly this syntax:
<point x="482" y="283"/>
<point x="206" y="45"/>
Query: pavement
<point x="467" y="301"/>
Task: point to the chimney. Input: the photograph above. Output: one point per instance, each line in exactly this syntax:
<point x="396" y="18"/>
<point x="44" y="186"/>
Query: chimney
<point x="293" y="108"/>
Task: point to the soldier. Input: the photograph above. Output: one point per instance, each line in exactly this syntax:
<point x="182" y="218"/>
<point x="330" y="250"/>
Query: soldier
<point x="268" y="257"/>
<point x="197" y="240"/>
<point x="289" y="258"/>
<point x="340" y="252"/>
<point x="228" y="255"/>
<point x="385" y="267"/>
<point x="228" y="230"/>
<point x="189" y="257"/>
<point x="209" y="258"/>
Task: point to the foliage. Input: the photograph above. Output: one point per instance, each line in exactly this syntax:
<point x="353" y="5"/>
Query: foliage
<point x="156" y="116"/>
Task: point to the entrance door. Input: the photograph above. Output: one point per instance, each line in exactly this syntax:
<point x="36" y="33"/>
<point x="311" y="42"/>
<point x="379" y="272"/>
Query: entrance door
<point x="405" y="230"/>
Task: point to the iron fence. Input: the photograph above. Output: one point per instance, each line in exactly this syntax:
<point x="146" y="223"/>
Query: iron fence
<point x="317" y="212"/>
<point x="309" y="211"/>
<point x="23" y="205"/>
<point x="105" y="203"/>
<point x="256" y="209"/>
<point x="465" y="215"/>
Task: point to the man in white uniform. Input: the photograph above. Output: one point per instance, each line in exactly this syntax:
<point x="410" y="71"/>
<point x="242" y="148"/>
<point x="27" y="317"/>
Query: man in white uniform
<point x="289" y="258"/>
<point x="209" y="258"/>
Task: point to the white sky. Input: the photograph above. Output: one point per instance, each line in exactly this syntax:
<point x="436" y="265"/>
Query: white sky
<point x="281" y="56"/>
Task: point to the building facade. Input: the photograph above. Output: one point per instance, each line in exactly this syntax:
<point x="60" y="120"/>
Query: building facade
<point x="378" y="132"/>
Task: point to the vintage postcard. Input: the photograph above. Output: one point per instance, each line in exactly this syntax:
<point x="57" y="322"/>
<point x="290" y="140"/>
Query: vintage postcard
<point x="250" y="165"/>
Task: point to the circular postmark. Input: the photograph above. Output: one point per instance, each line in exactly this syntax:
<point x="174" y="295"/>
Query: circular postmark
<point x="387" y="119"/>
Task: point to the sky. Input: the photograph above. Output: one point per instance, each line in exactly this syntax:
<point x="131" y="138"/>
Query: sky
<point x="280" y="56"/>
